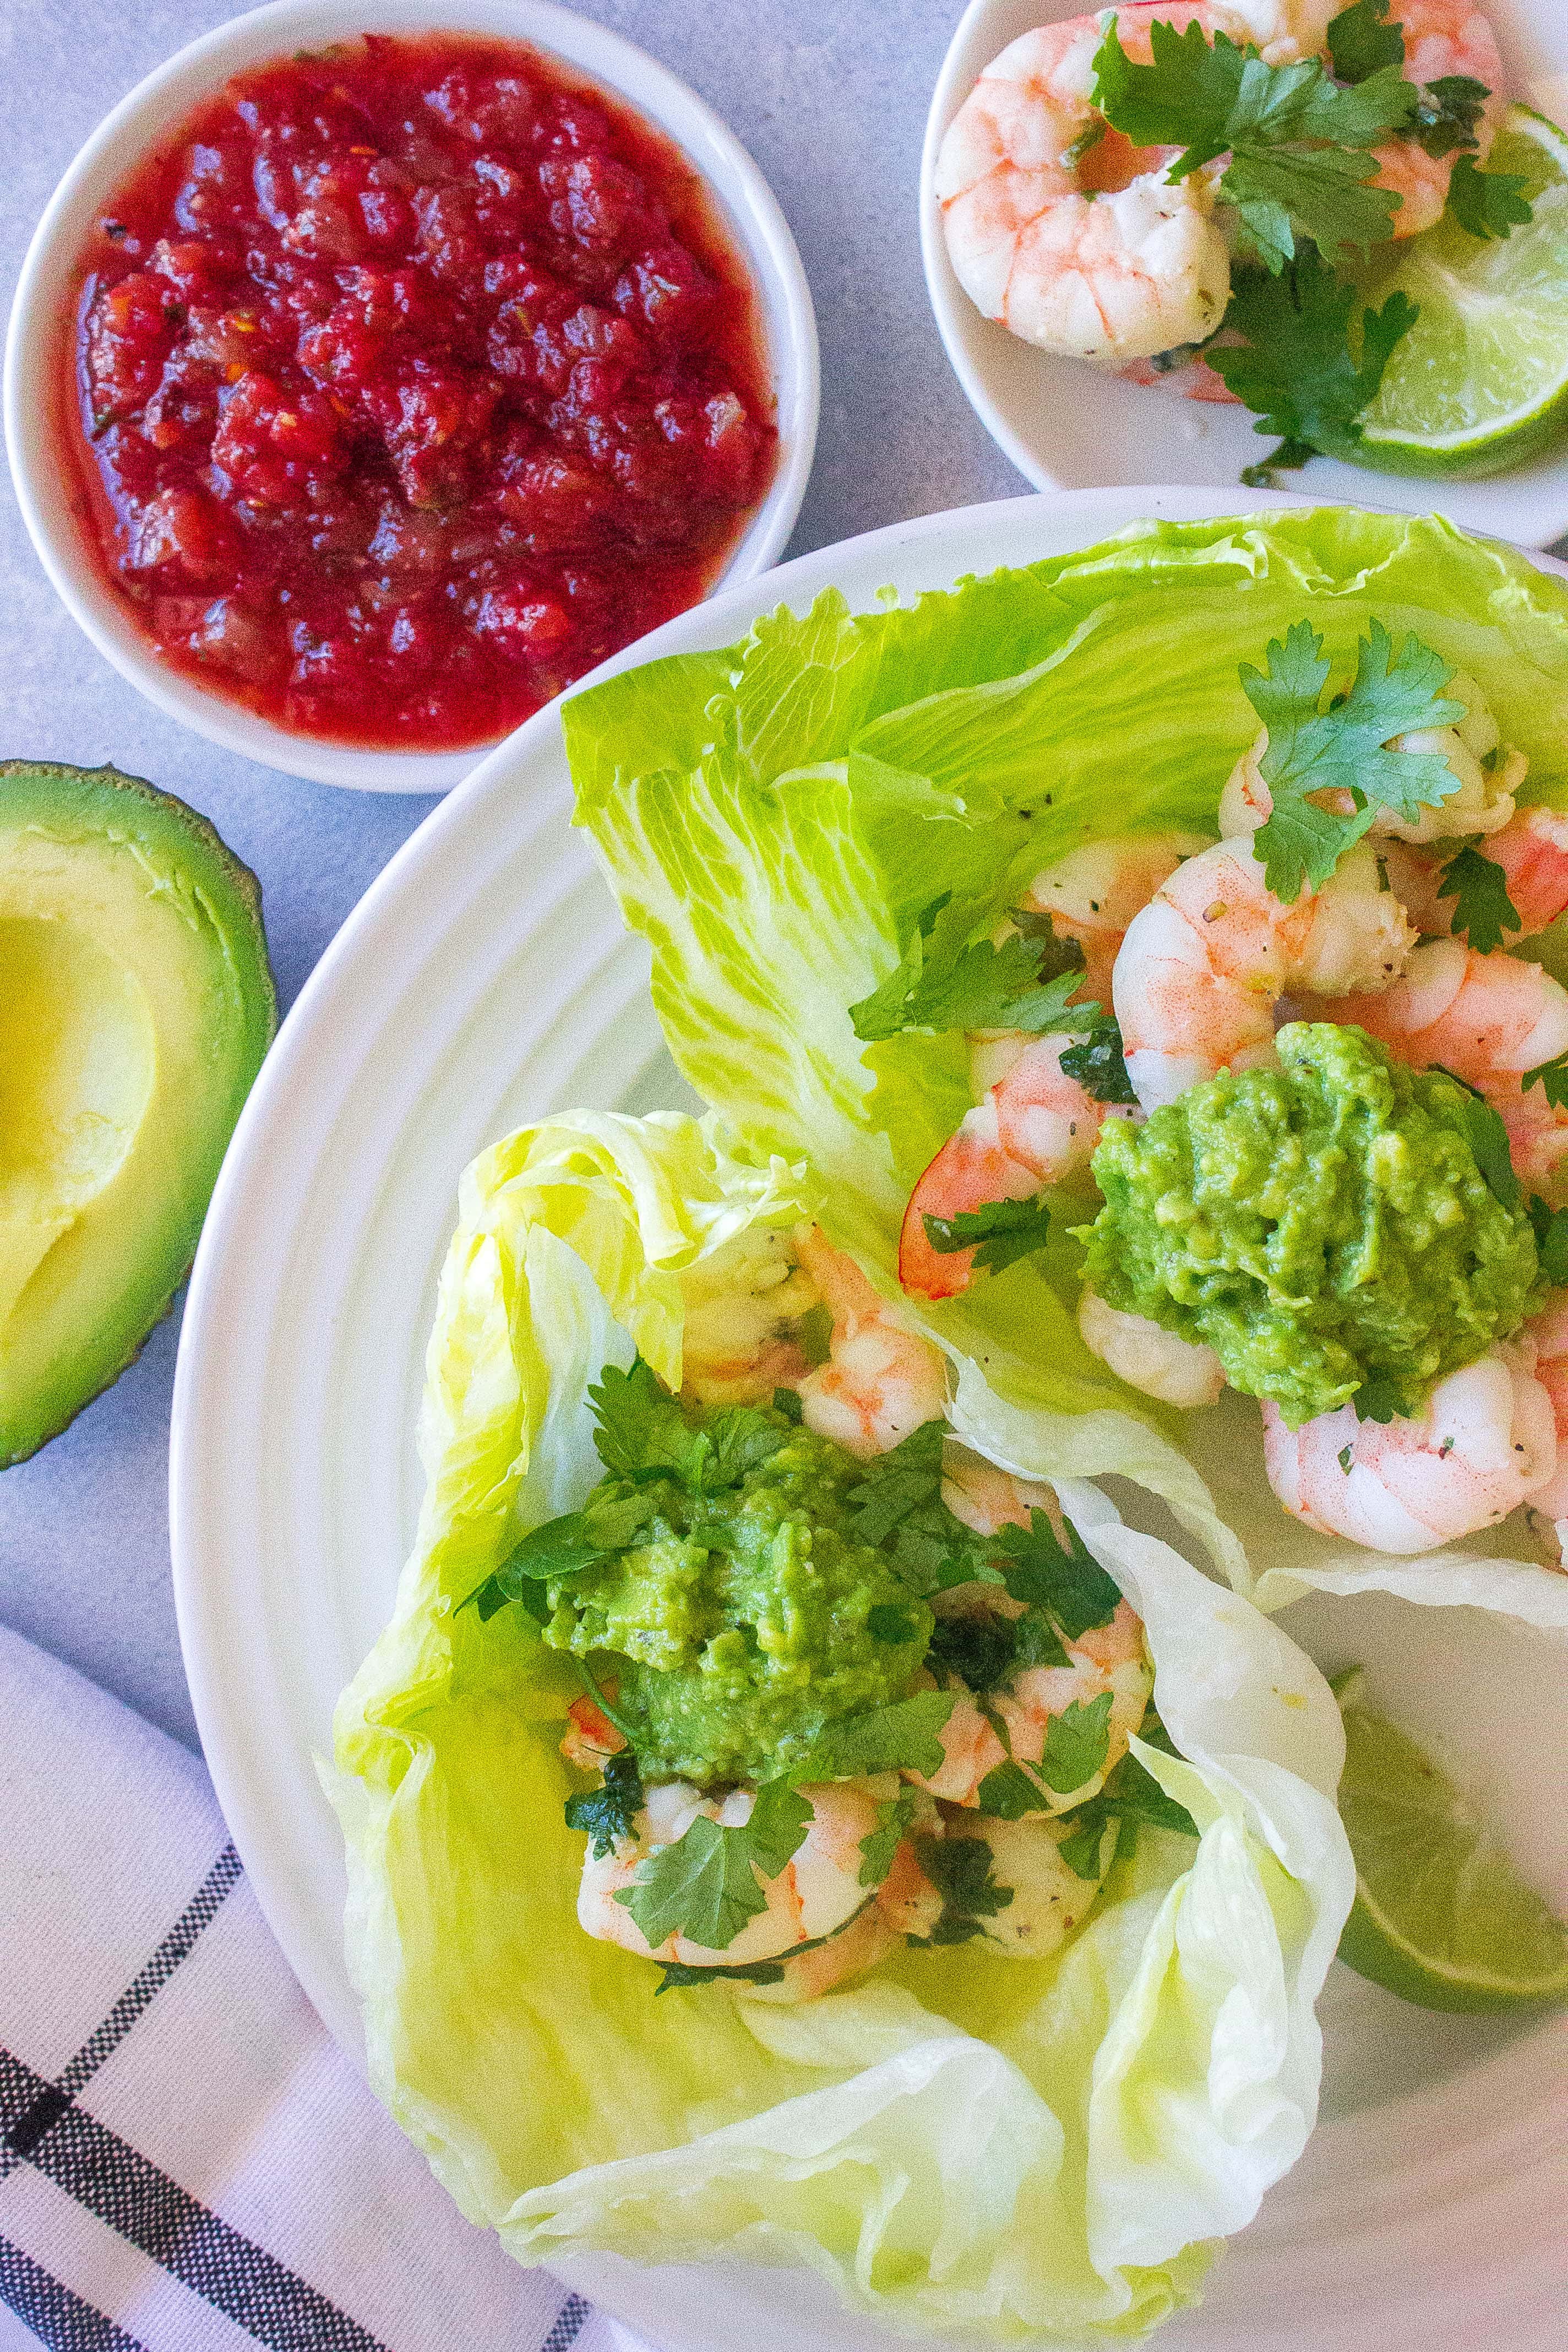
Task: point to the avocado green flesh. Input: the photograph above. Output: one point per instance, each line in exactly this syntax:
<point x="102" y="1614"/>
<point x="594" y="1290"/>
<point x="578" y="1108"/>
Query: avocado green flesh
<point x="1315" y="1224"/>
<point x="139" y="1004"/>
<point x="740" y="1629"/>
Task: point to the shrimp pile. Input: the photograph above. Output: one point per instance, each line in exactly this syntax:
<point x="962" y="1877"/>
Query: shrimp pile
<point x="1071" y="237"/>
<point x="820" y="1923"/>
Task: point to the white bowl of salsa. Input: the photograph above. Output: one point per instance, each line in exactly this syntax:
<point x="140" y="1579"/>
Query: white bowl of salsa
<point x="376" y="372"/>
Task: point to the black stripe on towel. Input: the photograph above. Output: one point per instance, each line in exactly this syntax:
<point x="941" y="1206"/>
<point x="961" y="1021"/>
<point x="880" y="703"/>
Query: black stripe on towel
<point x="198" y="1913"/>
<point x="567" y="2326"/>
<point x="57" y="2317"/>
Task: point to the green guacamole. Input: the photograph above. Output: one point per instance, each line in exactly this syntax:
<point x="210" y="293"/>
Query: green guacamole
<point x="747" y="1619"/>
<point x="1319" y="1225"/>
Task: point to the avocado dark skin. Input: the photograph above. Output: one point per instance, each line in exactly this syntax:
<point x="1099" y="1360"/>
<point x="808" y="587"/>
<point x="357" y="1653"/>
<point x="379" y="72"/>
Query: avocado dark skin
<point x="139" y="1004"/>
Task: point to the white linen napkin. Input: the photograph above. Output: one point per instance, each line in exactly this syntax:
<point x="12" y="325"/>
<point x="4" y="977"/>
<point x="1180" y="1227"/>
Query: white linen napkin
<point x="187" y="2163"/>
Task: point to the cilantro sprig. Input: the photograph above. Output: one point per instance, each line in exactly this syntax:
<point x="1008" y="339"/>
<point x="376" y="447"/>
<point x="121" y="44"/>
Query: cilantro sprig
<point x="1298" y="141"/>
<point x="1098" y="1066"/>
<point x="972" y="985"/>
<point x="1296" y="367"/>
<point x="1342" y="749"/>
<point x="1000" y="1232"/>
<point x="1488" y="205"/>
<point x="1483" y="910"/>
<point x="963" y="1871"/>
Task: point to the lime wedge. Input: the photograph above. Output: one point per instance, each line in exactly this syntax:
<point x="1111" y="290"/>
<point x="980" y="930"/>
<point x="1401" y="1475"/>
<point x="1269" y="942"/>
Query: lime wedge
<point x="1480" y="382"/>
<point x="1440" y="1915"/>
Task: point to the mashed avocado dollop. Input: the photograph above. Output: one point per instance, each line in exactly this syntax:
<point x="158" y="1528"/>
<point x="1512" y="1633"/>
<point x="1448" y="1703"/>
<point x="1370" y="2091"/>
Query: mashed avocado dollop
<point x="745" y="1620"/>
<point x="1321" y="1226"/>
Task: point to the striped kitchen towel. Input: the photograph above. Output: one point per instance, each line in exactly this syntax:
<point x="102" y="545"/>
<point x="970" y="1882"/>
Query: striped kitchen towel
<point x="187" y="2163"/>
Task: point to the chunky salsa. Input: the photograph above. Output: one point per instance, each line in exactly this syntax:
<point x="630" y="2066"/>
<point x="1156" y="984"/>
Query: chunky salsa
<point x="414" y="380"/>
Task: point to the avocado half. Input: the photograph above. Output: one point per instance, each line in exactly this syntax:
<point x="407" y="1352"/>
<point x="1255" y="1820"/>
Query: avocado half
<point x="136" y="1003"/>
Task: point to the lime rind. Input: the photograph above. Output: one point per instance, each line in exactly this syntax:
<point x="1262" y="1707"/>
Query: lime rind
<point x="1480" y="382"/>
<point x="1440" y="1916"/>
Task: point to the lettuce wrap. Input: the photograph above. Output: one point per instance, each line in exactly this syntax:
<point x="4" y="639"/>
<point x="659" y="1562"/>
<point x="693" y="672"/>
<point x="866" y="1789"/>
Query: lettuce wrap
<point x="775" y="817"/>
<point x="1021" y="2150"/>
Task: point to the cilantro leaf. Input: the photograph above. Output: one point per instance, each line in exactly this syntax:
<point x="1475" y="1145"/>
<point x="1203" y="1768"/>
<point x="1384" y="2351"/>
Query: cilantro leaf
<point x="1342" y="749"/>
<point x="962" y="1871"/>
<point x="1553" y="1079"/>
<point x="743" y="1439"/>
<point x="884" y="1739"/>
<point x="706" y="1886"/>
<point x="678" y="1975"/>
<point x="933" y="1551"/>
<point x="884" y="1623"/>
<point x="1361" y="41"/>
<point x="1055" y="956"/>
<point x="559" y="1548"/>
<point x="1098" y="1065"/>
<point x="893" y="1484"/>
<point x="1010" y="1792"/>
<point x="1001" y="1233"/>
<point x="1077" y="1742"/>
<point x="1551" y="1239"/>
<point x="1132" y="1788"/>
<point x="1483" y="909"/>
<point x="1486" y="1134"/>
<point x="1066" y="1581"/>
<point x="1381" y="1396"/>
<point x="981" y="1650"/>
<point x="1487" y="203"/>
<point x="979" y="986"/>
<point x="1036" y="1642"/>
<point x="607" y="1812"/>
<point x="1083" y="1849"/>
<point x="1449" y="110"/>
<point x="878" y="1846"/>
<point x="1296" y="140"/>
<point x="1295" y="368"/>
<point x="786" y="1401"/>
<point x="645" y="1434"/>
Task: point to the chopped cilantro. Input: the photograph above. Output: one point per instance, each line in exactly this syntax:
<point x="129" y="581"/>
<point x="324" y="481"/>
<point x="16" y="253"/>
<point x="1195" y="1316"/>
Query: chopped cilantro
<point x="1487" y="203"/>
<point x="980" y="1651"/>
<point x="1342" y="749"/>
<point x="1130" y="1796"/>
<point x="1077" y="1741"/>
<point x="883" y="1739"/>
<point x="1296" y="140"/>
<point x="643" y="1434"/>
<point x="1551" y="1239"/>
<point x="787" y="1403"/>
<point x="878" y="1846"/>
<point x="1065" y="1580"/>
<point x="1010" y="1792"/>
<point x="1084" y="1847"/>
<point x="606" y="1813"/>
<point x="1036" y="1642"/>
<point x="1450" y="110"/>
<point x="561" y="1546"/>
<point x="978" y="985"/>
<point x="1098" y="1065"/>
<point x="1361" y="41"/>
<point x="678" y="1975"/>
<point x="895" y="1483"/>
<point x="1001" y="1233"/>
<point x="884" y="1623"/>
<point x="1055" y="956"/>
<point x="1344" y="1457"/>
<point x="1381" y="1396"/>
<point x="1483" y="909"/>
<point x="1487" y="1136"/>
<point x="707" y="1884"/>
<point x="962" y="1871"/>
<point x="1553" y="1079"/>
<point x="1295" y="368"/>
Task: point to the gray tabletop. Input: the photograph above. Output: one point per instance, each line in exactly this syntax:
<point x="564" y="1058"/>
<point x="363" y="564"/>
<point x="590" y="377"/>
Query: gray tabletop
<point x="830" y="97"/>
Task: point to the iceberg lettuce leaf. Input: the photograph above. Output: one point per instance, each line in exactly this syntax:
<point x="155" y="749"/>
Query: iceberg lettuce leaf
<point x="1010" y="2146"/>
<point x="857" y="766"/>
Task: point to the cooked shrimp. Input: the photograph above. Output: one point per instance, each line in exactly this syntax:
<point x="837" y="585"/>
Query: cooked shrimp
<point x="1548" y="1334"/>
<point x="1107" y="1658"/>
<point x="1204" y="964"/>
<point x="1046" y="1898"/>
<point x="1097" y="257"/>
<point x="1036" y="1125"/>
<point x="1487" y="1018"/>
<point x="1484" y="1443"/>
<point x="1442" y="39"/>
<point x="1148" y="1357"/>
<point x="987" y="1498"/>
<point x="1092" y="894"/>
<point x="1532" y="849"/>
<point x="881" y="1380"/>
<point x="743" y="1304"/>
<point x="1483" y="802"/>
<point x="817" y="1894"/>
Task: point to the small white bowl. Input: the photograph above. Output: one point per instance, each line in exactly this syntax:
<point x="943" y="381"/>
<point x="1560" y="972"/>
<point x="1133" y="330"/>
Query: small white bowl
<point x="1067" y="426"/>
<point x="47" y="295"/>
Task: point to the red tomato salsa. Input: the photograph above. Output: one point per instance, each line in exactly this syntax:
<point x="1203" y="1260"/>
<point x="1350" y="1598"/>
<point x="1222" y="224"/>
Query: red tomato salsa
<point x="414" y="380"/>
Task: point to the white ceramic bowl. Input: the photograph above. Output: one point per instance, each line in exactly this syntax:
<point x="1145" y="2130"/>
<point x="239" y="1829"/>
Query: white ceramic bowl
<point x="46" y="302"/>
<point x="1065" y="427"/>
<point x="486" y="979"/>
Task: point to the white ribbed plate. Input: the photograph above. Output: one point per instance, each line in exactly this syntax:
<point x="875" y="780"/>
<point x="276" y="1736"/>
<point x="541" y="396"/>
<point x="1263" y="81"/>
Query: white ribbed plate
<point x="484" y="980"/>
